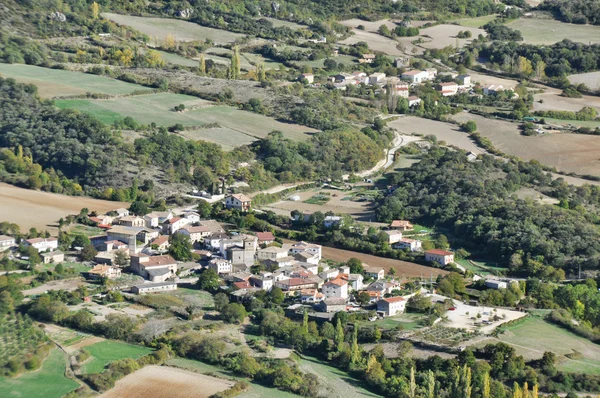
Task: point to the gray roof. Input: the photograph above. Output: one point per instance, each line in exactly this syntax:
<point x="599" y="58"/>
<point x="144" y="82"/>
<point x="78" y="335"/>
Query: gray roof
<point x="158" y="271"/>
<point x="155" y="284"/>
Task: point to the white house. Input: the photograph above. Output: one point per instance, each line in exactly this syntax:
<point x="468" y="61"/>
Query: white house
<point x="220" y="265"/>
<point x="402" y="90"/>
<point x="492" y="89"/>
<point x="239" y="202"/>
<point x="391" y="306"/>
<point x="272" y="252"/>
<point x="121" y="212"/>
<point x="495" y="284"/>
<point x="374" y="272"/>
<point x="262" y="282"/>
<point x="311" y="248"/>
<point x="376" y="77"/>
<point x="174" y="224"/>
<point x="42" y="244"/>
<point x="449" y="89"/>
<point x="192" y="217"/>
<point x="413" y="101"/>
<point x="6" y="242"/>
<point x="415" y="76"/>
<point x="355" y="281"/>
<point x="196" y="234"/>
<point x="431" y="73"/>
<point x="329" y="274"/>
<point x="154" y="268"/>
<point x="464" y="80"/>
<point x="157" y="218"/>
<point x="213" y="241"/>
<point x="360" y="77"/>
<point x="310" y="78"/>
<point x="394" y="236"/>
<point x="405" y="243"/>
<point x="132" y="221"/>
<point x="333" y="221"/>
<point x="335" y="288"/>
<point x="439" y="256"/>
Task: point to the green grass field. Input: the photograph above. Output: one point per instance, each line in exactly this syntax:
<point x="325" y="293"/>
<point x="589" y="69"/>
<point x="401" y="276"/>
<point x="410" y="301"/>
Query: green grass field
<point x="534" y="335"/>
<point x="334" y="382"/>
<point x="157" y="108"/>
<point x="58" y="83"/>
<point x="548" y="31"/>
<point x="342" y="59"/>
<point x="255" y="391"/>
<point x="408" y="321"/>
<point x="176" y="59"/>
<point x="474" y="22"/>
<point x="47" y="382"/>
<point x="107" y="351"/>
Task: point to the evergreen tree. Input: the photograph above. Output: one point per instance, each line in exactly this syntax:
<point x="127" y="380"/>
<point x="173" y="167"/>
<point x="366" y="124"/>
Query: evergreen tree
<point x="355" y="350"/>
<point x="234" y="69"/>
<point x="534" y="391"/>
<point x="95" y="10"/>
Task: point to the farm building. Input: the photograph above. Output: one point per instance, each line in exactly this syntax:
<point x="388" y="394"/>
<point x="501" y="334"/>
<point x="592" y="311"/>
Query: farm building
<point x="54" y="257"/>
<point x="239" y="202"/>
<point x="439" y="256"/>
<point x="495" y="284"/>
<point x="333" y="304"/>
<point x="401" y="225"/>
<point x="6" y="242"/>
<point x="391" y="306"/>
<point x="42" y="244"/>
<point x="154" y="287"/>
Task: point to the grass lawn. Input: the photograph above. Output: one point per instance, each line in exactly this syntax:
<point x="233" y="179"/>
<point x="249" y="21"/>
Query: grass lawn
<point x="549" y="31"/>
<point x="57" y="82"/>
<point x="334" y="382"/>
<point x="255" y="391"/>
<point x="158" y="108"/>
<point x="480" y="267"/>
<point x="78" y="267"/>
<point x="318" y="199"/>
<point x="408" y="321"/>
<point x="585" y="365"/>
<point x="107" y="351"/>
<point x="199" y="297"/>
<point x="47" y="382"/>
<point x="475" y="22"/>
<point x="86" y="230"/>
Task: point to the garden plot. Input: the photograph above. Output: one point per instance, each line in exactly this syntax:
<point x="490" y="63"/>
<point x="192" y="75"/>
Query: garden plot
<point x="162" y="382"/>
<point x="571" y="153"/>
<point x="550" y="31"/>
<point x="181" y="30"/>
<point x="53" y="83"/>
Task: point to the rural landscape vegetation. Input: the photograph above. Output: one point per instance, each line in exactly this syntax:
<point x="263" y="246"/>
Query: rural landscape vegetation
<point x="319" y="198"/>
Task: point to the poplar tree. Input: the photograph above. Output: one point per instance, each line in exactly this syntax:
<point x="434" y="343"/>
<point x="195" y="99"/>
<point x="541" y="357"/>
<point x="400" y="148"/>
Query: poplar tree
<point x="431" y="384"/>
<point x="413" y="383"/>
<point x="486" y="389"/>
<point x="339" y="336"/>
<point x="202" y="65"/>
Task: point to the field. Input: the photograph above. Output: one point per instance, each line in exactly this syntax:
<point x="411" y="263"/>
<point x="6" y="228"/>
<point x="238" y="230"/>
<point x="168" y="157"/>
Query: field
<point x="280" y="22"/>
<point x="443" y="131"/>
<point x="176" y="59"/>
<point x="578" y="123"/>
<point x="376" y="42"/>
<point x="42" y="210"/>
<point x="53" y="83"/>
<point x="162" y="382"/>
<point x="553" y="101"/>
<point x="591" y="79"/>
<point x="255" y="391"/>
<point x="334" y="382"/>
<point x="407" y="321"/>
<point x="247" y="126"/>
<point x="576" y="153"/>
<point x="342" y="59"/>
<point x="47" y="382"/>
<point x="549" y="31"/>
<point x="104" y="352"/>
<point x="475" y="22"/>
<point x="403" y="268"/>
<point x="441" y="36"/>
<point x="534" y="336"/>
<point x="181" y="30"/>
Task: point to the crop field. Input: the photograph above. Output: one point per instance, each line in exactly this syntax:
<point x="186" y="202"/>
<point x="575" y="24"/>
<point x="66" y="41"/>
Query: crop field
<point x="550" y="31"/>
<point x="158" y="108"/>
<point x="447" y="132"/>
<point x="376" y="42"/>
<point x="591" y="79"/>
<point x="255" y="391"/>
<point x="47" y="382"/>
<point x="334" y="382"/>
<point x="475" y="22"/>
<point x="53" y="83"/>
<point x="441" y="36"/>
<point x="403" y="268"/>
<point x="534" y="335"/>
<point x="177" y="59"/>
<point x="42" y="210"/>
<point x="180" y="29"/>
<point x="104" y="352"/>
<point x="162" y="381"/>
<point x="577" y="153"/>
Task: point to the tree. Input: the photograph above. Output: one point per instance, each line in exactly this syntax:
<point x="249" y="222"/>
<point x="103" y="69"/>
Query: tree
<point x="204" y="209"/>
<point x="234" y="69"/>
<point x="95" y="10"/>
<point x="339" y="336"/>
<point x="431" y="384"/>
<point x="121" y="258"/>
<point x="525" y="68"/>
<point x="327" y="330"/>
<point x="276" y="295"/>
<point x="233" y="313"/>
<point x="363" y="298"/>
<point x="139" y="208"/>
<point x="413" y="383"/>
<point x="330" y="64"/>
<point x="202" y="65"/>
<point x="180" y="247"/>
<point x="485" y="389"/>
<point x="208" y="280"/>
<point x="540" y="69"/>
<point x="469" y="127"/>
<point x="355" y="266"/>
<point x="355" y="349"/>
<point x="221" y="300"/>
<point x="80" y="240"/>
<point x="88" y="252"/>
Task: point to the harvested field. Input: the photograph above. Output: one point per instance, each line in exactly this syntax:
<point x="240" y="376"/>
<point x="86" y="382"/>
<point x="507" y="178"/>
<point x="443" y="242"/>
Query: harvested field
<point x="377" y="42"/>
<point x="591" y="79"/>
<point x="403" y="268"/>
<point x="550" y="31"/>
<point x="441" y="36"/>
<point x="346" y="60"/>
<point x="553" y="101"/>
<point x="165" y="382"/>
<point x="53" y="83"/>
<point x="42" y="210"/>
<point x="450" y="133"/>
<point x="157" y="108"/>
<point x="488" y="79"/>
<point x="530" y="193"/>
<point x="65" y="284"/>
<point x="571" y="153"/>
<point x="182" y="30"/>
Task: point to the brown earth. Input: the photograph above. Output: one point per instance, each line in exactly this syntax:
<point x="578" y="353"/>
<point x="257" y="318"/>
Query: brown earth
<point x="42" y="210"/>
<point x="165" y="382"/>
<point x="403" y="268"/>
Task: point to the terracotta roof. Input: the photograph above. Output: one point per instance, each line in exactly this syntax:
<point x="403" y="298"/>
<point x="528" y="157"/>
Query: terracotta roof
<point x="396" y="299"/>
<point x="413" y="98"/>
<point x="100" y="269"/>
<point x="448" y="84"/>
<point x="241" y="197"/>
<point x="154" y="261"/>
<point x="413" y="72"/>
<point x="174" y="220"/>
<point x="401" y="223"/>
<point x="295" y="282"/>
<point x="162" y="239"/>
<point x="439" y="252"/>
<point x="337" y="282"/>
<point x="265" y="236"/>
<point x="96" y="220"/>
<point x="242" y="285"/>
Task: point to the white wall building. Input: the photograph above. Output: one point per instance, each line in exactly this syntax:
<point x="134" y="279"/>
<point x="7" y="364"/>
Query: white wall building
<point x="335" y="288"/>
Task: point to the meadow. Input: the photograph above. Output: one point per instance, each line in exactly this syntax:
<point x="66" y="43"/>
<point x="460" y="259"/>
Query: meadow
<point x="346" y="60"/>
<point x="549" y="31"/>
<point x="157" y="108"/>
<point x="477" y="22"/>
<point x="180" y="29"/>
<point x="47" y="382"/>
<point x="444" y="35"/>
<point x="591" y="79"/>
<point x="53" y="83"/>
<point x="104" y="352"/>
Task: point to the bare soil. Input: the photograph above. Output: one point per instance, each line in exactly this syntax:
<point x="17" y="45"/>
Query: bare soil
<point x="165" y="382"/>
<point x="42" y="210"/>
<point x="551" y="100"/>
<point x="66" y="284"/>
<point x="445" y="35"/>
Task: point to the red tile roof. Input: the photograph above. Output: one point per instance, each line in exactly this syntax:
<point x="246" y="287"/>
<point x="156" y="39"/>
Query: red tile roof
<point x="265" y="236"/>
<point x="174" y="220"/>
<point x="396" y="299"/>
<point x="338" y="282"/>
<point x="439" y="252"/>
